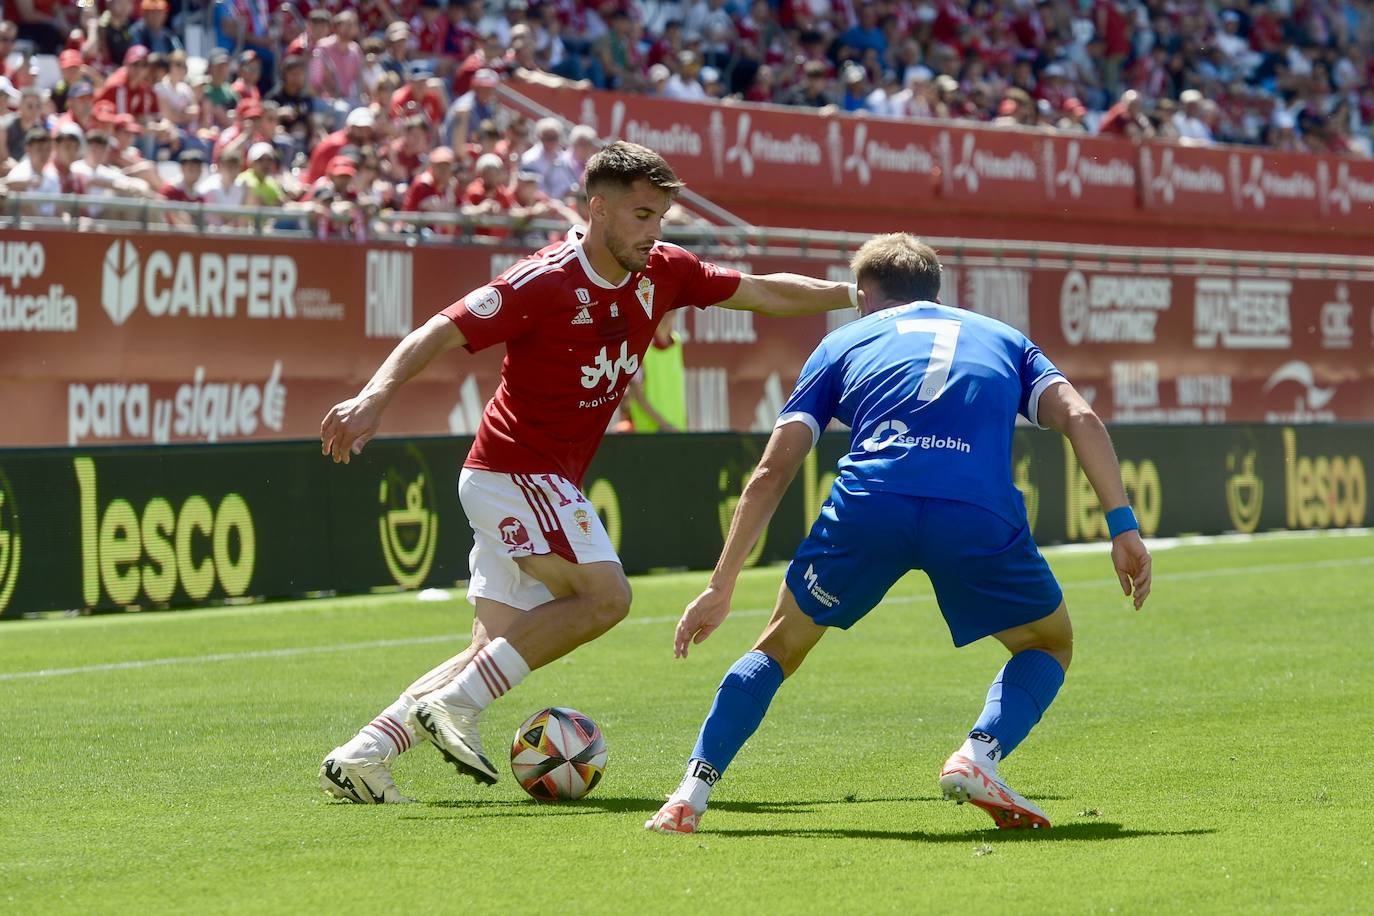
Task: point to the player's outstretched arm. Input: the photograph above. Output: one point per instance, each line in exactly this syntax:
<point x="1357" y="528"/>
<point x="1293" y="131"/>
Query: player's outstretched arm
<point x="791" y="294"/>
<point x="1062" y="408"/>
<point x="784" y="454"/>
<point x="351" y="424"/>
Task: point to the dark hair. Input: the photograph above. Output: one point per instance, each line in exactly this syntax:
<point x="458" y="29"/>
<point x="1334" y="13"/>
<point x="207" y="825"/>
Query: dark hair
<point x="97" y="137"/>
<point x="37" y="135"/>
<point x="904" y="267"/>
<point x="622" y="164"/>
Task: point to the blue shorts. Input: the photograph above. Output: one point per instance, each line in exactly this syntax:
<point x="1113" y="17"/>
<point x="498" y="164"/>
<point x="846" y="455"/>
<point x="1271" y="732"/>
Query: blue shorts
<point x="988" y="574"/>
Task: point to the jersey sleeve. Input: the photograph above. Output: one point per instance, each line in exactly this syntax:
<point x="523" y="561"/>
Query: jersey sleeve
<point x="1037" y="374"/>
<point x="702" y="283"/>
<point x="813" y="400"/>
<point x="492" y="314"/>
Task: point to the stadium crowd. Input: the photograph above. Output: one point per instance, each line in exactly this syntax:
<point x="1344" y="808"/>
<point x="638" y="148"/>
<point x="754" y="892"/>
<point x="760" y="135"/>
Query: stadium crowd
<point x="349" y="111"/>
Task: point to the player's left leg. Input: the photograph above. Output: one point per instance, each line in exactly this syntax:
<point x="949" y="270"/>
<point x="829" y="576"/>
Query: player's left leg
<point x="741" y="702"/>
<point x="539" y="546"/>
<point x="360" y="769"/>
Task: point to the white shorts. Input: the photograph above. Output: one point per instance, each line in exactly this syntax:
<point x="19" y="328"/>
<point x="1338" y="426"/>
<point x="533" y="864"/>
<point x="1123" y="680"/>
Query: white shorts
<point x="521" y="515"/>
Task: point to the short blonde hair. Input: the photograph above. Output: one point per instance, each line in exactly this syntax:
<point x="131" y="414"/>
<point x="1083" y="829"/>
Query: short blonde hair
<point x="904" y="267"/>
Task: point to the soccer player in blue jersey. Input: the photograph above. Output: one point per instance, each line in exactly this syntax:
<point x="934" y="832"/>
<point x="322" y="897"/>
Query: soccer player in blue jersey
<point x="931" y="394"/>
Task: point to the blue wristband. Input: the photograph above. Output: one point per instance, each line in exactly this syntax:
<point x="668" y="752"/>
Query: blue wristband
<point x="1121" y="519"/>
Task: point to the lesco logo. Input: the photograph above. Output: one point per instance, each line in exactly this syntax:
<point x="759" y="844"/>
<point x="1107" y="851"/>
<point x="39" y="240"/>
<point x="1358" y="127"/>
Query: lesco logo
<point x="136" y="556"/>
<point x="407" y="522"/>
<point x="1244" y="490"/>
<point x="10" y="543"/>
<point x="888" y="432"/>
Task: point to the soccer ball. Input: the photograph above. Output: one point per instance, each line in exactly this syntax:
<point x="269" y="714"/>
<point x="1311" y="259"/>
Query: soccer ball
<point x="558" y="755"/>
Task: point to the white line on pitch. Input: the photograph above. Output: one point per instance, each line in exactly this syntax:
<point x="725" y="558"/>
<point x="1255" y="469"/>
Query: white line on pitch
<point x="663" y="619"/>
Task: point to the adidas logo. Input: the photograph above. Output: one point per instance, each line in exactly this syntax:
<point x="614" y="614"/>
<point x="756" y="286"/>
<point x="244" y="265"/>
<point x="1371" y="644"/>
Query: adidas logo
<point x="583" y="316"/>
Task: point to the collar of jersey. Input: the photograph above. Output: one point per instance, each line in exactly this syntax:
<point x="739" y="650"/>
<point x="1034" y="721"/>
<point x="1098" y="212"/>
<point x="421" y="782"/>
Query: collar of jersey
<point x="575" y="236"/>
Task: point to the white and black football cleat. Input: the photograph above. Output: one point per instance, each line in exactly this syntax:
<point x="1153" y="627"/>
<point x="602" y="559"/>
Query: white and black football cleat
<point x="453" y="730"/>
<point x="365" y="780"/>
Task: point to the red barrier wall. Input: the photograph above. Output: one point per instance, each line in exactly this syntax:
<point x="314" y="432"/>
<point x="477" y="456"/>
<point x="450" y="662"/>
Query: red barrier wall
<point x="107" y="339"/>
<point x="796" y="167"/>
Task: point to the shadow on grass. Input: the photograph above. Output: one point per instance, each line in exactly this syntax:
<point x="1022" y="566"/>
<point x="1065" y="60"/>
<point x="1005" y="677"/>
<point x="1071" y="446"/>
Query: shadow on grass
<point x="1098" y="830"/>
<point x="620" y="805"/>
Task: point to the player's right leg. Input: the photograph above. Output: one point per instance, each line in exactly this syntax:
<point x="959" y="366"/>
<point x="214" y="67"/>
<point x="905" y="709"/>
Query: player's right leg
<point x="1016" y="701"/>
<point x="360" y="769"/>
<point x="991" y="580"/>
<point x="741" y="702"/>
<point x="838" y="574"/>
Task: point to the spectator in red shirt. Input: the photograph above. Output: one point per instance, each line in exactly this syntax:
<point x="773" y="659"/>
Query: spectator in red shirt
<point x="404" y="156"/>
<point x="489" y="193"/>
<point x="249" y="76"/>
<point x="1126" y="119"/>
<point x="419" y="96"/>
<point x="1115" y="30"/>
<point x="461" y="37"/>
<point x="186" y="189"/>
<point x="431" y="29"/>
<point x="130" y="88"/>
<point x="317" y="28"/>
<point x="434" y="189"/>
<point x="357" y="131"/>
<point x="245" y="131"/>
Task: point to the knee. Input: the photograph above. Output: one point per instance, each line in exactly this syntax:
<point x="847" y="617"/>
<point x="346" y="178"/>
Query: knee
<point x="1058" y="646"/>
<point x="609" y="602"/>
<point x="1062" y="653"/>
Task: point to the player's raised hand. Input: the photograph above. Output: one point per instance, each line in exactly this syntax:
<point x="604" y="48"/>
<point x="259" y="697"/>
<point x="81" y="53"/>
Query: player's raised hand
<point x="1132" y="562"/>
<point x="700" y="620"/>
<point x="348" y="426"/>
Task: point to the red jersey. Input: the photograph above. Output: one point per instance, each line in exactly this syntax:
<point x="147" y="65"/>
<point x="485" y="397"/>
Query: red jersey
<point x="573" y="342"/>
<point x="421" y="194"/>
<point x="138" y="101"/>
<point x="403" y="104"/>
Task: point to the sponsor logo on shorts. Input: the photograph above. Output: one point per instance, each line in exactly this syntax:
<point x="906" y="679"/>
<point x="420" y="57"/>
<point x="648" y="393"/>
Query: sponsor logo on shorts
<point x="813" y="586"/>
<point x="484" y="302"/>
<point x="514" y="535"/>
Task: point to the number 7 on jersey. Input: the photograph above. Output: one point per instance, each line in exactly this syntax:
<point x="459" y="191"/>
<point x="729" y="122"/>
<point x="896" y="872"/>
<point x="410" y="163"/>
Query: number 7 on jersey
<point x="946" y="331"/>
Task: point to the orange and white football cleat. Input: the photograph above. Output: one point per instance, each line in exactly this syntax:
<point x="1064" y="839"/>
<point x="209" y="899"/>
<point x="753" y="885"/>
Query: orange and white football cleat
<point x="964" y="780"/>
<point x="674" y="817"/>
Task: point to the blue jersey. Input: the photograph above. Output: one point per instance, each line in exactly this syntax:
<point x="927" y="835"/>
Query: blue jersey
<point x="931" y="394"/>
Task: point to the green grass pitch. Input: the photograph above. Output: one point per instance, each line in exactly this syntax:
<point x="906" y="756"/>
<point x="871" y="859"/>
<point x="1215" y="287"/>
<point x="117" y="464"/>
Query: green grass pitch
<point x="1208" y="754"/>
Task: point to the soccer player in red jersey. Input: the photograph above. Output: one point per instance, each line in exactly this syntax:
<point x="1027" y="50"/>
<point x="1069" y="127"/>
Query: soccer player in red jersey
<point x="576" y="318"/>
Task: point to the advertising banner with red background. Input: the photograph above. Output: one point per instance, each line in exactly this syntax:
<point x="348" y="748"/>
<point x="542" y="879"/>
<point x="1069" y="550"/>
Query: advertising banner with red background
<point x="790" y="166"/>
<point x="150" y="339"/>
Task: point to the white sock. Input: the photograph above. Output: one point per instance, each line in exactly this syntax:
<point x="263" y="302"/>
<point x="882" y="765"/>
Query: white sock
<point x="982" y="749"/>
<point x="492" y="672"/>
<point x="697" y="783"/>
<point x="386" y="735"/>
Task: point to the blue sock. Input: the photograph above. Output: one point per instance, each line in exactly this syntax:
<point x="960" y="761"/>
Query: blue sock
<point x="741" y="701"/>
<point x="1024" y="689"/>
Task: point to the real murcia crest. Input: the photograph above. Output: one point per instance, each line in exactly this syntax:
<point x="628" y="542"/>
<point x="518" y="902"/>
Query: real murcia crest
<point x="644" y="292"/>
<point x="584" y="296"/>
